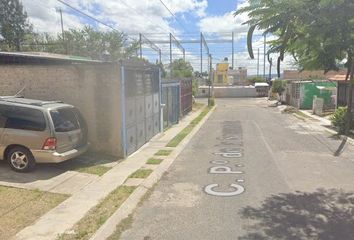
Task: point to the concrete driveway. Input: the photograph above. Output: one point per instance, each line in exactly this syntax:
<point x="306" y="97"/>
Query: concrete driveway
<point x="57" y="178"/>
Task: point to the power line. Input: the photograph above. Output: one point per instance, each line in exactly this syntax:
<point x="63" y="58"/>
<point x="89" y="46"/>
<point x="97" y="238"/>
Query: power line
<point x="92" y="18"/>
<point x="85" y="14"/>
<point x="173" y="15"/>
<point x="139" y="13"/>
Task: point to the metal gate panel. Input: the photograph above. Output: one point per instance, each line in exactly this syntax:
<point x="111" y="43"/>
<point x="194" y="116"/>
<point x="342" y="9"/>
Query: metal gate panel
<point x="140" y="108"/>
<point x="148" y="106"/>
<point x="130" y="111"/>
<point x="142" y="104"/>
<point x="149" y="126"/>
<point x="141" y="139"/>
<point x="156" y="120"/>
<point x="156" y="99"/>
<point x="131" y="140"/>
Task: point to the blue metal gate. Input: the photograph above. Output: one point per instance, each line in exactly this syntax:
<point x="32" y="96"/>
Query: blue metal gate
<point x="171" y="101"/>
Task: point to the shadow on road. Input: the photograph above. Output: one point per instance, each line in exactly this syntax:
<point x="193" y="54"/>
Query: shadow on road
<point x="324" y="214"/>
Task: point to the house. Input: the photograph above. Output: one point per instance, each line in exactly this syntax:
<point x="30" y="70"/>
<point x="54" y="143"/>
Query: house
<point x="300" y="94"/>
<point x="221" y="74"/>
<point x="238" y="76"/>
<point x="315" y="74"/>
<point x="342" y="89"/>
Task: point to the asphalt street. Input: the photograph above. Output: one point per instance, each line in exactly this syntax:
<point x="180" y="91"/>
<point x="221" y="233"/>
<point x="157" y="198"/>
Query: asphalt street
<point x="252" y="172"/>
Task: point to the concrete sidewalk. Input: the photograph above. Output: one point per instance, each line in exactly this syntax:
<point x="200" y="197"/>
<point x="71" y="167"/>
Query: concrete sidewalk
<point x="64" y="216"/>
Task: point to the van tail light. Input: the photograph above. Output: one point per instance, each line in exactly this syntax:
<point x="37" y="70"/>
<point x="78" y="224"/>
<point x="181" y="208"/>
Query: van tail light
<point x="50" y="144"/>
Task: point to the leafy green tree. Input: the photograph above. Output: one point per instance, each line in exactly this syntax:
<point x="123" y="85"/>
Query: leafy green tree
<point x="13" y="23"/>
<point x="85" y="42"/>
<point x="181" y="69"/>
<point x="308" y="30"/>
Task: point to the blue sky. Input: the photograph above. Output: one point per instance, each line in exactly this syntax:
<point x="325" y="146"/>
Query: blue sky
<point x="212" y="17"/>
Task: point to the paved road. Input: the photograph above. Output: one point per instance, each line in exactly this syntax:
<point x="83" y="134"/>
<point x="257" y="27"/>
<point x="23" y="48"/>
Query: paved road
<point x="286" y="183"/>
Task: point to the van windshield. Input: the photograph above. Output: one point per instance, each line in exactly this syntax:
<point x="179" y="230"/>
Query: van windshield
<point x="64" y="120"/>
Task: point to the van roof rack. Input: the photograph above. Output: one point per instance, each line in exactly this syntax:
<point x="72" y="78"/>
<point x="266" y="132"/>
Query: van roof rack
<point x="27" y="101"/>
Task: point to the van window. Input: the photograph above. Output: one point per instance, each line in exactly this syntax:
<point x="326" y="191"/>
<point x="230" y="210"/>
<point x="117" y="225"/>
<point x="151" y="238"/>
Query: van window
<point x="64" y="120"/>
<point x="14" y="117"/>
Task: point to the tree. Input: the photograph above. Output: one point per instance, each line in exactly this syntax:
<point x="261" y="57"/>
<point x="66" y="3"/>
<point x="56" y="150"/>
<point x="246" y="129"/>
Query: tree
<point x="307" y="30"/>
<point x="85" y="42"/>
<point x="13" y="23"/>
<point x="181" y="69"/>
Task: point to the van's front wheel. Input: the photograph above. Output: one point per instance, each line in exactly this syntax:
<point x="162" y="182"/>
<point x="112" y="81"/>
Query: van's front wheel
<point x="21" y="159"/>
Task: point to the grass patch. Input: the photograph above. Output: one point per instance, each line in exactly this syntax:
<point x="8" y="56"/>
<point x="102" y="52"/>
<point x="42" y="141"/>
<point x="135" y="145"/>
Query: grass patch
<point x="180" y="136"/>
<point x="127" y="223"/>
<point x="99" y="214"/>
<point x="201" y="116"/>
<point x="154" y="161"/>
<point x="163" y="153"/>
<point x="20" y="208"/>
<point x="141" y="173"/>
<point x="97" y="170"/>
<point x="92" y="163"/>
<point x="197" y="106"/>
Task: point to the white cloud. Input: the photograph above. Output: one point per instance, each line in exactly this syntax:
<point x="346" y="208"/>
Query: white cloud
<point x="226" y="22"/>
<point x="130" y="16"/>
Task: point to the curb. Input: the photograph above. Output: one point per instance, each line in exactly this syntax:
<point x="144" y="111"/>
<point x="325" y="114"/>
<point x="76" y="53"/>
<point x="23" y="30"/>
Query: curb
<point x="342" y="137"/>
<point x="130" y="204"/>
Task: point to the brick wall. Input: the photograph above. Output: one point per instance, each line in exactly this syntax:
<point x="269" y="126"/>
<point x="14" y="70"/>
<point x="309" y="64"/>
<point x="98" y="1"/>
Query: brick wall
<point x="93" y="88"/>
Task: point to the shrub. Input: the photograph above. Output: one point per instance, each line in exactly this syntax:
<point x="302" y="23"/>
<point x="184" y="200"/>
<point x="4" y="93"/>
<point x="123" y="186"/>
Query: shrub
<point x="339" y="118"/>
<point x="278" y="86"/>
<point x="254" y="80"/>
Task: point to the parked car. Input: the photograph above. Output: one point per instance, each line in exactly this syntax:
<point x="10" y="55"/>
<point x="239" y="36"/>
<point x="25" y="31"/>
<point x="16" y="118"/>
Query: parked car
<point x="34" y="131"/>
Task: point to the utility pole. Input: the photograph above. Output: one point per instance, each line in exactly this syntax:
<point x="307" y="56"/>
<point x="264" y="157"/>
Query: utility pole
<point x="62" y="30"/>
<point x="258" y="64"/>
<point x="160" y="60"/>
<point x="170" y="55"/>
<point x="201" y="52"/>
<point x="264" y="57"/>
<point x="233" y="50"/>
<point x="141" y="45"/>
<point x="210" y="78"/>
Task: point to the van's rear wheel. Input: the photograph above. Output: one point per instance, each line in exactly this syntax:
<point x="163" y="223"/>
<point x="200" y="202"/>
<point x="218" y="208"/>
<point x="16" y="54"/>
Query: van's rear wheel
<point x="21" y="159"/>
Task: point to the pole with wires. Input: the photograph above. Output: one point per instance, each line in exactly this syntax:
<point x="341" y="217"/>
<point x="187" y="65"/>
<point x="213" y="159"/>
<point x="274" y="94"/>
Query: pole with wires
<point x="170" y="55"/>
<point x="258" y="64"/>
<point x="264" y="57"/>
<point x="233" y="50"/>
<point x="141" y="46"/>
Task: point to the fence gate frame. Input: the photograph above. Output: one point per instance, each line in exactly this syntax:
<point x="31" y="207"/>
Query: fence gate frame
<point x="143" y="104"/>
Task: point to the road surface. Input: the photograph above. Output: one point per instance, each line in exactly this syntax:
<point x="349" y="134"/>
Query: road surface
<point x="252" y="172"/>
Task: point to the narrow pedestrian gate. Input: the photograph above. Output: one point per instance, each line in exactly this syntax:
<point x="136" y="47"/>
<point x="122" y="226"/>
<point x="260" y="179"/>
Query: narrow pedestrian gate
<point x="141" y="105"/>
<point x="171" y="100"/>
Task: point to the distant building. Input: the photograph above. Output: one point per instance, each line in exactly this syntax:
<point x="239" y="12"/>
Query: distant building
<point x="317" y="74"/>
<point x="238" y="76"/>
<point x="221" y="74"/>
